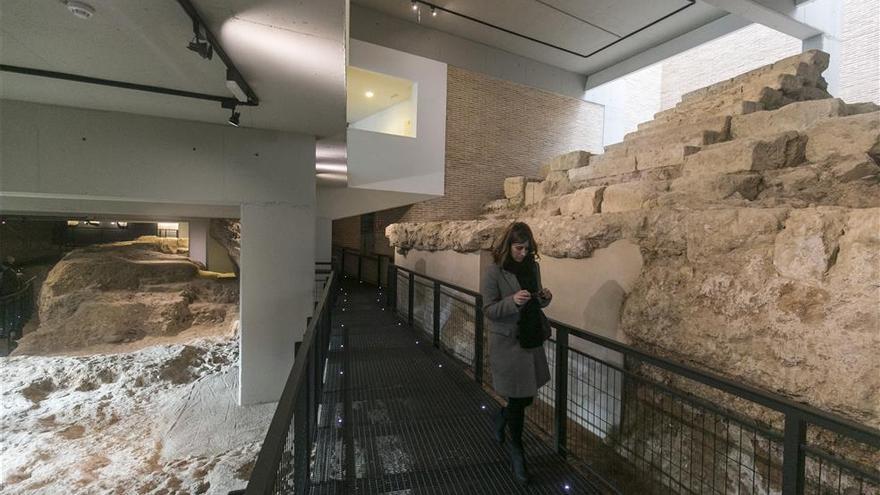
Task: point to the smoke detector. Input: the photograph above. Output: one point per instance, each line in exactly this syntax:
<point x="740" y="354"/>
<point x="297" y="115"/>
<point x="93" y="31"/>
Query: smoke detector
<point x="80" y="9"/>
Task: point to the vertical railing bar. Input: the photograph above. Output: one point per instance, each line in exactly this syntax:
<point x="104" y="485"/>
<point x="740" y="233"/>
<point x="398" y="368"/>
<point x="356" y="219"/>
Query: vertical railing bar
<point x="412" y="294"/>
<point x="436" y="313"/>
<point x="360" y="265"/>
<point x="561" y="409"/>
<point x="793" y="454"/>
<point x="478" y="335"/>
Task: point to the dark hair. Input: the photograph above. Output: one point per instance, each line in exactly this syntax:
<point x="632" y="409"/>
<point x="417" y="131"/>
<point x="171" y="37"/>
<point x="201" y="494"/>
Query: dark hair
<point x="516" y="232"/>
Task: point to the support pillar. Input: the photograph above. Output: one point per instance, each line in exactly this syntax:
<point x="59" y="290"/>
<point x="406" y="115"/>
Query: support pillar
<point x="198" y="240"/>
<point x="277" y="279"/>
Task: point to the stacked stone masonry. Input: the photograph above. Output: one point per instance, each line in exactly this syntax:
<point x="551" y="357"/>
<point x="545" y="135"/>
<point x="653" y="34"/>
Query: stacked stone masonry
<point x="756" y="206"/>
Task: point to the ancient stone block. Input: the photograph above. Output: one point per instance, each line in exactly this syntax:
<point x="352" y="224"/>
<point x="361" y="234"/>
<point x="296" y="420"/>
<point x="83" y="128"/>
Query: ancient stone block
<point x="743" y="155"/>
<point x="534" y="193"/>
<point x="663" y="155"/>
<point x="515" y="187"/>
<point x="600" y="166"/>
<point x="803" y="251"/>
<point x="712" y="232"/>
<point x="583" y="202"/>
<point x="630" y="195"/>
<point x="702" y="132"/>
<point x="855" y="168"/>
<point x="864" y="107"/>
<point x="796" y="117"/>
<point x="844" y="136"/>
<point x="568" y="161"/>
<point x="718" y="187"/>
<point x="496" y="205"/>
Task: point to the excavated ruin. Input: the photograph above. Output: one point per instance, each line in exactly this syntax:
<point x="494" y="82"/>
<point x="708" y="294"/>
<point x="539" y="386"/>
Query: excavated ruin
<point x="755" y="203"/>
<point x="127" y="380"/>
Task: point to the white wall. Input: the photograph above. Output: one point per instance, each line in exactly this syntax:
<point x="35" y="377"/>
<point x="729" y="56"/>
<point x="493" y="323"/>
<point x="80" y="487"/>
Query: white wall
<point x="323" y="238"/>
<point x="66" y="160"/>
<point x="398" y="163"/>
<point x="860" y="51"/>
<point x="198" y="240"/>
<point x="398" y="119"/>
<point x="628" y="101"/>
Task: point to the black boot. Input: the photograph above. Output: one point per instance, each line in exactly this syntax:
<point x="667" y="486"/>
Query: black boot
<point x="500" y="420"/>
<point x="517" y="452"/>
<point x="518" y="462"/>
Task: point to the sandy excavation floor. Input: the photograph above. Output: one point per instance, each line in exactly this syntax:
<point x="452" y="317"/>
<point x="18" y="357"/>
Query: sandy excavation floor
<point x="128" y="384"/>
<point x="159" y="420"/>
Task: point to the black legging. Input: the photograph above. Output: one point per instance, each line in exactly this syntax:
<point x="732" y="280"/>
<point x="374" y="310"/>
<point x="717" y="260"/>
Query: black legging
<point x="515" y="413"/>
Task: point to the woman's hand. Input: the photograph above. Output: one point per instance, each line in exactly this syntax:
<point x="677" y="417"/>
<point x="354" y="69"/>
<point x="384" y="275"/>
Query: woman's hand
<point x="546" y="295"/>
<point x="521" y="297"/>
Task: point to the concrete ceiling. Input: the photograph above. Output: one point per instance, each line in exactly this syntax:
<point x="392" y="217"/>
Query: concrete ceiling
<point x="292" y="53"/>
<point x="589" y="35"/>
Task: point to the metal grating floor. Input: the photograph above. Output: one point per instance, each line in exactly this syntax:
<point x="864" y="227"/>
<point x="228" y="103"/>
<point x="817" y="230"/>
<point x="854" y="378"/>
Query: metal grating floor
<point x="399" y="417"/>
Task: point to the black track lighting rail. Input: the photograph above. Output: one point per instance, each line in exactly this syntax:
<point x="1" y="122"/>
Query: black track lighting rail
<point x="620" y="38"/>
<point x="232" y="72"/>
<point x="226" y="101"/>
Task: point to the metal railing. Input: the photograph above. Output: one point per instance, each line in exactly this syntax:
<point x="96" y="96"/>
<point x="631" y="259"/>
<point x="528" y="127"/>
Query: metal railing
<point x="16" y="309"/>
<point x="283" y="464"/>
<point x="368" y="268"/>
<point x="647" y="424"/>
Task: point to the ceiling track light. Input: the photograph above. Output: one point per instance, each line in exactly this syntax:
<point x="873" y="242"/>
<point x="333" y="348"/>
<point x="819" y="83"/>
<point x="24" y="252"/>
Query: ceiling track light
<point x="234" y="117"/>
<point x="415" y="5"/>
<point x="199" y="44"/>
<point x="433" y="12"/>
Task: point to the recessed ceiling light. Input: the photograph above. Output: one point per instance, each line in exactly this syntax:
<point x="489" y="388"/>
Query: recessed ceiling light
<point x="80" y="9"/>
<point x="369" y="94"/>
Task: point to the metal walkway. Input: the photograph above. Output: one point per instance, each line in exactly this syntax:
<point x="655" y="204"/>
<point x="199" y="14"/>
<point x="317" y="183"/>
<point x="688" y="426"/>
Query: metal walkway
<point x="400" y="417"/>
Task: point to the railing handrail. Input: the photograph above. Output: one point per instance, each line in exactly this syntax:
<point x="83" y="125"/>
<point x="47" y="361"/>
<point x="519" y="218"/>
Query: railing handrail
<point x="811" y="414"/>
<point x="830" y="421"/>
<point x="12" y="295"/>
<point x="273" y="445"/>
<point x="458" y="288"/>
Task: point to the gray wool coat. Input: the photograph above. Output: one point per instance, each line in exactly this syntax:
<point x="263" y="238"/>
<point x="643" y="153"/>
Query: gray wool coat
<point x="516" y="372"/>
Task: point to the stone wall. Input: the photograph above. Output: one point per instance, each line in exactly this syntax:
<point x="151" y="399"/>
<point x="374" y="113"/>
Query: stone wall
<point x="347" y="232"/>
<point x="755" y="205"/>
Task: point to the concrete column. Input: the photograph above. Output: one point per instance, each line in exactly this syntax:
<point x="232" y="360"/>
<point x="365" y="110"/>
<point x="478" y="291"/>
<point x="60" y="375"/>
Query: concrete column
<point x="323" y="238"/>
<point x="277" y="279"/>
<point x="826" y="15"/>
<point x="198" y="240"/>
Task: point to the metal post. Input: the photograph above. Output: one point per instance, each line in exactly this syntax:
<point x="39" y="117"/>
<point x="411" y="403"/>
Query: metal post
<point x="342" y="262"/>
<point x="379" y="271"/>
<point x="436" y="313"/>
<point x="391" y="291"/>
<point x="360" y="263"/>
<point x="412" y="296"/>
<point x="561" y="399"/>
<point x="478" y="336"/>
<point x="793" y="454"/>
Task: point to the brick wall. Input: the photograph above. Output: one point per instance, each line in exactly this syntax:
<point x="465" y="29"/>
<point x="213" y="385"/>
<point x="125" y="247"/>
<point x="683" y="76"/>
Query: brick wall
<point x="494" y="129"/>
<point x="497" y="129"/>
<point x="860" y="51"/>
<point x="347" y="232"/>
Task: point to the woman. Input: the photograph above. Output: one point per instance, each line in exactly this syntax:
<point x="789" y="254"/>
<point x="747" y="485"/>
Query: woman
<point x="512" y="302"/>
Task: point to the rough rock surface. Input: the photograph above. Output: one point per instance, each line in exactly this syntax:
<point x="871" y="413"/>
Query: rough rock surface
<point x="227" y="232"/>
<point x="130" y="292"/>
<point x="761" y="246"/>
<point x="159" y="420"/>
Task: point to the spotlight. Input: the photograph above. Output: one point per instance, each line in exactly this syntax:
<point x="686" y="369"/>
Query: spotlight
<point x="203" y="48"/>
<point x="433" y="12"/>
<point x="415" y="6"/>
<point x="233" y="119"/>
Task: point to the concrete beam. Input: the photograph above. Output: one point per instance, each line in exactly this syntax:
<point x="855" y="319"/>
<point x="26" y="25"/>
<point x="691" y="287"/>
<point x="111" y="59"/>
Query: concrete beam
<point x="697" y="37"/>
<point x="781" y="15"/>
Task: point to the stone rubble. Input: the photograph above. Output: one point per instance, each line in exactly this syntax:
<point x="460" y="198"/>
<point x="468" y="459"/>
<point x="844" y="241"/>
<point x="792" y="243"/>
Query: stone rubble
<point x="756" y="205"/>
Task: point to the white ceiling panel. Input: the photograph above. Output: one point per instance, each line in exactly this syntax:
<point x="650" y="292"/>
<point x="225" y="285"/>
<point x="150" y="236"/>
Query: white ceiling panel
<point x="599" y="32"/>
